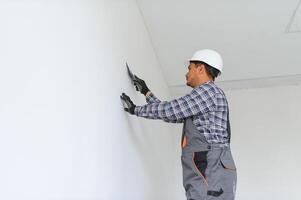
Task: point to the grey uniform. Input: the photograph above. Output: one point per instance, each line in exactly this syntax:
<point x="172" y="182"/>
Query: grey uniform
<point x="209" y="171"/>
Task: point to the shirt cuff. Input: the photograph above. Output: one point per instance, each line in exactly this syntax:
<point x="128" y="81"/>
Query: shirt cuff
<point x="136" y="110"/>
<point x="148" y="97"/>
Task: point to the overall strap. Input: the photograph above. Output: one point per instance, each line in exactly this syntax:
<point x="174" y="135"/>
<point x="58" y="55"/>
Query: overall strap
<point x="228" y="124"/>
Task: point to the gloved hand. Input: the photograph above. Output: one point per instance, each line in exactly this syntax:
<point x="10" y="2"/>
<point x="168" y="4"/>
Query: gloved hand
<point x="128" y="105"/>
<point x="140" y="85"/>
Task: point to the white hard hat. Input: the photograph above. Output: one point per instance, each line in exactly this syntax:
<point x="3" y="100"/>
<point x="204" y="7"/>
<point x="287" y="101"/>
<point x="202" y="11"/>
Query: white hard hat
<point x="210" y="57"/>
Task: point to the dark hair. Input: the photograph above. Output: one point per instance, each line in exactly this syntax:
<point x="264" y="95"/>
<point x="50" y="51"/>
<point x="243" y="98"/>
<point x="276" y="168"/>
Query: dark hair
<point x="211" y="70"/>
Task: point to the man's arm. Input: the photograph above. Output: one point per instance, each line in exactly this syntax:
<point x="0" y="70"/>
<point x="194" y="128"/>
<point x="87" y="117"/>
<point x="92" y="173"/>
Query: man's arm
<point x="151" y="98"/>
<point x="197" y="102"/>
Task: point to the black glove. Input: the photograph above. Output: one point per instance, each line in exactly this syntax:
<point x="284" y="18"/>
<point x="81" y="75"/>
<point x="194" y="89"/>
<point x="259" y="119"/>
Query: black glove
<point x="140" y="85"/>
<point x="128" y="105"/>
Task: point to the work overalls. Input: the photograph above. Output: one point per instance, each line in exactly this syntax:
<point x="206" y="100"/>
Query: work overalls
<point x="209" y="172"/>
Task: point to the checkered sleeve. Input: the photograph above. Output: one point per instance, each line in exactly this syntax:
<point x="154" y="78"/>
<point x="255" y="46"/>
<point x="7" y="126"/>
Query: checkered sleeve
<point x="197" y="102"/>
<point x="151" y="98"/>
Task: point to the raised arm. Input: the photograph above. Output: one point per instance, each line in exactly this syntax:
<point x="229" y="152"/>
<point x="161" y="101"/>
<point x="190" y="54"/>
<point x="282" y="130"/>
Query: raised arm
<point x="176" y="111"/>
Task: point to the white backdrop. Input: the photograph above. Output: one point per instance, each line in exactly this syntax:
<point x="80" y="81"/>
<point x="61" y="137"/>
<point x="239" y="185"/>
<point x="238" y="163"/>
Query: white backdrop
<point x="266" y="142"/>
<point x="63" y="131"/>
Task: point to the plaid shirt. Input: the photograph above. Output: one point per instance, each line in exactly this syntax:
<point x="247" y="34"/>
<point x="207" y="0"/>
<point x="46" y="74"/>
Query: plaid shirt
<point x="206" y="104"/>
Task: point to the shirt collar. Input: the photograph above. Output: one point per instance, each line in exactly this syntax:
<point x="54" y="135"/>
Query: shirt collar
<point x="207" y="82"/>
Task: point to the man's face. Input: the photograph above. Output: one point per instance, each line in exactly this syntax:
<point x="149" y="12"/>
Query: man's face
<point x="192" y="75"/>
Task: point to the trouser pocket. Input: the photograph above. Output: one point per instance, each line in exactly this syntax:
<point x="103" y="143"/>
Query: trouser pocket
<point x="221" y="175"/>
<point x="227" y="160"/>
<point x="200" y="163"/>
<point x="193" y="181"/>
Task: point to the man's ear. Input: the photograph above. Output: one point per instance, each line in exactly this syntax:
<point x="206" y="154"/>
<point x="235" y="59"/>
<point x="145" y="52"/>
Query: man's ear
<point x="201" y="68"/>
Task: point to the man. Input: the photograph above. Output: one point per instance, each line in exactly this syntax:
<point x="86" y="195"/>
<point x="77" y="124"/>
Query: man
<point x="209" y="171"/>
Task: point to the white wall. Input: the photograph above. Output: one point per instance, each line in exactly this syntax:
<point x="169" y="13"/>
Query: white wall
<point x="63" y="131"/>
<point x="266" y="142"/>
<point x="64" y="134"/>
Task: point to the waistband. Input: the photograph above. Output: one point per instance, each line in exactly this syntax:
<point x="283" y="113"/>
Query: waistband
<point x="205" y="147"/>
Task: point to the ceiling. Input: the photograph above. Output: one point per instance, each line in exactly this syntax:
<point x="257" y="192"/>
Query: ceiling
<point x="259" y="41"/>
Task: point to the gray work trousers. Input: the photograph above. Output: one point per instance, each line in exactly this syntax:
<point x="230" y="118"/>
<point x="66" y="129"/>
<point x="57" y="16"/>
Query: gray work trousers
<point x="209" y="171"/>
